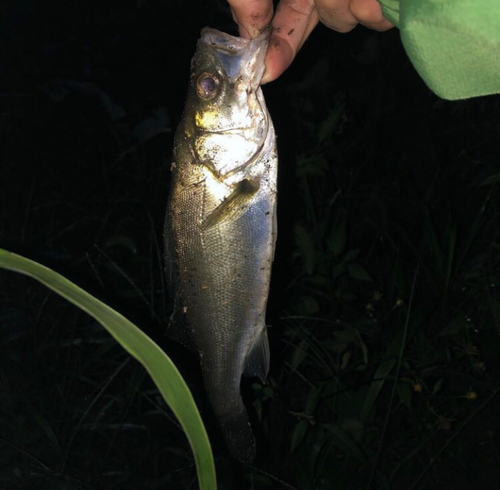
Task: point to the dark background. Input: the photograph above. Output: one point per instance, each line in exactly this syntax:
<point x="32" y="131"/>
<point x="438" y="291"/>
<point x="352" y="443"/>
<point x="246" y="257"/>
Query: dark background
<point x="384" y="306"/>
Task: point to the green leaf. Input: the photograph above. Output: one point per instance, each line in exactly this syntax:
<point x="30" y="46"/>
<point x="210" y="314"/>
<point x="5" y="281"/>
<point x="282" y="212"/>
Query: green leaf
<point x="331" y="122"/>
<point x="159" y="366"/>
<point x="259" y="480"/>
<point x="312" y="400"/>
<point x="336" y="240"/>
<point x="437" y="386"/>
<point x="307" y="305"/>
<point x="298" y="434"/>
<point x="306" y="248"/>
<point x="345" y="442"/>
<point x="404" y="393"/>
<point x="314" y="166"/>
<point x="362" y="346"/>
<point x="379" y="378"/>
<point x="357" y="271"/>
<point x="122" y="241"/>
<point x="491" y="180"/>
<point x="454" y="326"/>
<point x="340" y="341"/>
<point x="299" y="354"/>
<point x="346" y="335"/>
<point x="337" y="269"/>
<point x="351" y="255"/>
<point x="354" y="427"/>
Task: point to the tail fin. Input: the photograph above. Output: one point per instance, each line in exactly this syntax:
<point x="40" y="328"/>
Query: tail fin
<point x="222" y="384"/>
<point x="223" y="389"/>
<point x="239" y="435"/>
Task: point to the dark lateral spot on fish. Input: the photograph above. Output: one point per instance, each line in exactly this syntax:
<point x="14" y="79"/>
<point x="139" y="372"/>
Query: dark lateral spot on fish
<point x="268" y="212"/>
<point x="290" y="31"/>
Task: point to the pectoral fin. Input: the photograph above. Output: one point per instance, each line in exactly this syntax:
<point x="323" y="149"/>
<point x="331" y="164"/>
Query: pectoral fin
<point x="257" y="362"/>
<point x="233" y="205"/>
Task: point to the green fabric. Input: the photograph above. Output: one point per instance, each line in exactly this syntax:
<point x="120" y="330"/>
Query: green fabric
<point x="453" y="44"/>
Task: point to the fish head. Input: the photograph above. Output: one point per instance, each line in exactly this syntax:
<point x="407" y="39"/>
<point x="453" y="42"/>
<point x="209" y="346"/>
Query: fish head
<point x="225" y="117"/>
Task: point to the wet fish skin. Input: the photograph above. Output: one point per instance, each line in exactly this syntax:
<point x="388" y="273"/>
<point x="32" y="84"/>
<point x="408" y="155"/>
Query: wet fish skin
<point x="220" y="231"/>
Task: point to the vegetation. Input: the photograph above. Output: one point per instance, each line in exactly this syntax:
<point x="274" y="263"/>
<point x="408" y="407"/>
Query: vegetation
<point x="160" y="368"/>
<point x="384" y="307"/>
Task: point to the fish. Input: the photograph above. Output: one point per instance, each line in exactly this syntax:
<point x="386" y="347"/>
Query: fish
<point x="220" y="229"/>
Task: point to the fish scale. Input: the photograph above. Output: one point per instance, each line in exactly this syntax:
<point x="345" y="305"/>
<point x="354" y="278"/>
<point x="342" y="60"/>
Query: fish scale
<point x="220" y="230"/>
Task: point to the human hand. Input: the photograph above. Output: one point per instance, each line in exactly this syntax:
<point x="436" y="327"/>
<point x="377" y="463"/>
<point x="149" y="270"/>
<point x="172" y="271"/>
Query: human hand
<point x="295" y="20"/>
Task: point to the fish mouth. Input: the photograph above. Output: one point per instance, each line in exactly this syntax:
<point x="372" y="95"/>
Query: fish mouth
<point x="241" y="58"/>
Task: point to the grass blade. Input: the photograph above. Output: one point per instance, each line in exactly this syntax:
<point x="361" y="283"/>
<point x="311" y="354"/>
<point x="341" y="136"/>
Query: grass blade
<point x="345" y="442"/>
<point x="159" y="366"/>
<point x="379" y="379"/>
<point x="424" y="472"/>
<point x="398" y="370"/>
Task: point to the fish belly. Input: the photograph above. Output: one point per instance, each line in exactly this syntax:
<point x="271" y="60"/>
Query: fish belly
<point x="222" y="276"/>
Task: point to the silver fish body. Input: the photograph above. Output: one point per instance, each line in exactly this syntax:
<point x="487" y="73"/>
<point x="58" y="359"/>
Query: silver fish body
<point x="220" y="230"/>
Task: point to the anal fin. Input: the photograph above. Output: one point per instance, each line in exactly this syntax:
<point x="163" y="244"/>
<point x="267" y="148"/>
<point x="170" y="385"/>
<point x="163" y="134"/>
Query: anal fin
<point x="257" y="361"/>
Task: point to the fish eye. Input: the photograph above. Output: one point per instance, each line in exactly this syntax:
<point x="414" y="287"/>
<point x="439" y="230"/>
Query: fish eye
<point x="207" y="85"/>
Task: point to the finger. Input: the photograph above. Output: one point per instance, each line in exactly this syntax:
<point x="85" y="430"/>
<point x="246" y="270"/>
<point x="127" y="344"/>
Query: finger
<point x="336" y="15"/>
<point x="369" y="13"/>
<point x="251" y="15"/>
<point x="292" y="24"/>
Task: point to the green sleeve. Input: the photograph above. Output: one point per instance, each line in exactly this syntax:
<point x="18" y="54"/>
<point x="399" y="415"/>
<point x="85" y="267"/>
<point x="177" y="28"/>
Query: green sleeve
<point x="453" y="44"/>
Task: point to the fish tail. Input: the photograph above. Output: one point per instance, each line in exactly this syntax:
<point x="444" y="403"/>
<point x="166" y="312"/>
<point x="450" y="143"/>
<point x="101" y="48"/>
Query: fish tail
<point x="225" y="397"/>
<point x="239" y="435"/>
